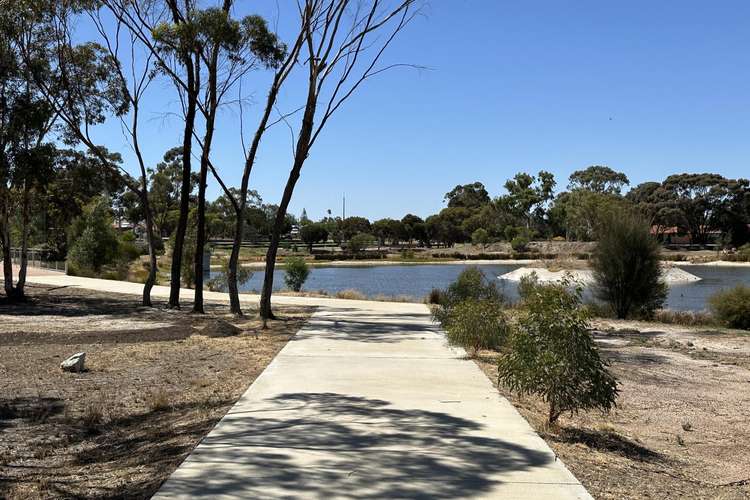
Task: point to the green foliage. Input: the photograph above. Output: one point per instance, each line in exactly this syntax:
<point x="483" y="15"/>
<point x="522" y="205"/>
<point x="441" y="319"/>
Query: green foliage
<point x="212" y="26"/>
<point x="472" y="196"/>
<point x="598" y="179"/>
<point x="527" y="196"/>
<point x="187" y="265"/>
<point x="582" y="212"/>
<point x="354" y="225"/>
<point x="413" y="228"/>
<point x="626" y="265"/>
<point x="480" y="237"/>
<point x="296" y="272"/>
<point x="732" y="307"/>
<point x="359" y="242"/>
<point x="91" y="239"/>
<point x="470" y="285"/>
<point x="447" y="227"/>
<point x="519" y="243"/>
<point x="700" y="200"/>
<point x="387" y="230"/>
<point x="312" y="233"/>
<point x="527" y="285"/>
<point x="128" y="250"/>
<point x="220" y="281"/>
<point x="476" y="324"/>
<point x="552" y="354"/>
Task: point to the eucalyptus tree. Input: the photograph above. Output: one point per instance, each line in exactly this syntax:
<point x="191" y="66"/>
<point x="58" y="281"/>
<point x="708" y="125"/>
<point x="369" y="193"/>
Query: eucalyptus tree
<point x="700" y="199"/>
<point x="527" y="196"/>
<point x="599" y="179"/>
<point x="342" y="42"/>
<point x="468" y="195"/>
<point x="84" y="84"/>
<point x="205" y="52"/>
<point x="284" y="60"/>
<point x="27" y="154"/>
<point x="134" y="85"/>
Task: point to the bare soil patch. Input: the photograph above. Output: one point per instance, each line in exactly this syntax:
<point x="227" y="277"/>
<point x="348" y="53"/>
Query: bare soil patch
<point x="681" y="428"/>
<point x="157" y="381"/>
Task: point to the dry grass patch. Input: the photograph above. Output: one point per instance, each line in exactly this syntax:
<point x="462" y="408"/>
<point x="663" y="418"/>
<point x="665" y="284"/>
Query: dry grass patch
<point x="680" y="428"/>
<point x="155" y="384"/>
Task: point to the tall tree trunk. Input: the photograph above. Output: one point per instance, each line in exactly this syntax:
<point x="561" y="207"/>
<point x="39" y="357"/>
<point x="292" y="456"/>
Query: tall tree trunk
<point x="153" y="262"/>
<point x="239" y="228"/>
<point x="21" y="285"/>
<point x="5" y="235"/>
<point x="200" y="237"/>
<point x="187" y="146"/>
<point x="234" y="257"/>
<point x="301" y="151"/>
<point x="300" y="155"/>
<point x="200" y="233"/>
<point x="145" y="202"/>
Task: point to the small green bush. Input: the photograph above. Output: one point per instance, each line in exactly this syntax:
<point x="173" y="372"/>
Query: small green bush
<point x="360" y="241"/>
<point x="128" y="250"/>
<point x="92" y="241"/>
<point x="552" y="354"/>
<point x="627" y="266"/>
<point x="732" y="307"/>
<point x="476" y="324"/>
<point x="296" y="272"/>
<point x="527" y="285"/>
<point x="519" y="244"/>
<point x="471" y="284"/>
<point x="480" y="237"/>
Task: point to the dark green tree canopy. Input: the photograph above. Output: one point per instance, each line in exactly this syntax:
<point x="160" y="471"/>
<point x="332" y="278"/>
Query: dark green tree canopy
<point x="312" y="233"/>
<point x="353" y="225"/>
<point x="527" y="195"/>
<point x="599" y="179"/>
<point x="468" y="196"/>
<point x="700" y="199"/>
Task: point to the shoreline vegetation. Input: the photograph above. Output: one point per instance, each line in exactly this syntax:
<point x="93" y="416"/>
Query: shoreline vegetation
<point x="534" y="262"/>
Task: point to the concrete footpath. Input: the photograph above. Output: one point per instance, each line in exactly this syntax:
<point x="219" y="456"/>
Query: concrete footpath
<point x="366" y="401"/>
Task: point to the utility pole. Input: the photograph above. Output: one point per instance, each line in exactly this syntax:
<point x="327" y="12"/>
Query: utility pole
<point x="343" y="212"/>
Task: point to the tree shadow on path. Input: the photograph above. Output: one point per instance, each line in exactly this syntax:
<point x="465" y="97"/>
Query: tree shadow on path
<point x="326" y="444"/>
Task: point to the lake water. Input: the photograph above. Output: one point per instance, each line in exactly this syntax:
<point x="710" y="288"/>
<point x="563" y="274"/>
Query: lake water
<point x="417" y="281"/>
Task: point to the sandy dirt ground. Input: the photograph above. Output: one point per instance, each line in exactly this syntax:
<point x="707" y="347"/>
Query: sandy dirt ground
<point x="156" y="382"/>
<point x="681" y="428"/>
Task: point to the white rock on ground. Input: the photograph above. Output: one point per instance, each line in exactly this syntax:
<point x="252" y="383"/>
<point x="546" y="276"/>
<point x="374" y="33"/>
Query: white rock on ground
<point x="586" y="277"/>
<point x="75" y="363"/>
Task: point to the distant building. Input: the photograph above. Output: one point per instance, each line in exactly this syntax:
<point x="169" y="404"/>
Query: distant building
<point x="675" y="235"/>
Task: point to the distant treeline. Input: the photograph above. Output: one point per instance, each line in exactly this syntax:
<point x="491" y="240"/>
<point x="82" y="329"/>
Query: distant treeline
<point x="702" y="207"/>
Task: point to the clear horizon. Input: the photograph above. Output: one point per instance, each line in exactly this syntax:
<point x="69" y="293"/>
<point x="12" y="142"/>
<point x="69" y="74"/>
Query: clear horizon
<point x="649" y="90"/>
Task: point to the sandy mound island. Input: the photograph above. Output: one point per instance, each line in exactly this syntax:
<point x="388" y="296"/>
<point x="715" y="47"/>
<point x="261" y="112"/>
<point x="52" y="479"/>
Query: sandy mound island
<point x="586" y="277"/>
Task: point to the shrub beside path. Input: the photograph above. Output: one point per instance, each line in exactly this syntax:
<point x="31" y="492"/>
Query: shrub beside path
<point x="366" y="401"/>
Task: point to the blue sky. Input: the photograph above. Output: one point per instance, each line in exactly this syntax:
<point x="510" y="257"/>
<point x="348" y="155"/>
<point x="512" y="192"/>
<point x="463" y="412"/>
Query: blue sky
<point x="648" y="88"/>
